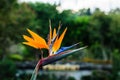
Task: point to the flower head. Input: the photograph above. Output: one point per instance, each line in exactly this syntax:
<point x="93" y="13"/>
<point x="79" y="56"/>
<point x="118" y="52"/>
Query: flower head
<point x="53" y="45"/>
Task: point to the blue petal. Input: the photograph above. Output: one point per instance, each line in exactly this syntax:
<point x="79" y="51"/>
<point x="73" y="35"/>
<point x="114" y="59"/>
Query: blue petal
<point x="65" y="48"/>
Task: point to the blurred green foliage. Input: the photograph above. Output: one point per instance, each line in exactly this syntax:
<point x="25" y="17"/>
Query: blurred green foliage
<point x="98" y="30"/>
<point x="116" y="64"/>
<point x="7" y="70"/>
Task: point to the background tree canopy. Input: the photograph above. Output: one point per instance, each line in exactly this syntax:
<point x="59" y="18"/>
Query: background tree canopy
<point x="98" y="30"/>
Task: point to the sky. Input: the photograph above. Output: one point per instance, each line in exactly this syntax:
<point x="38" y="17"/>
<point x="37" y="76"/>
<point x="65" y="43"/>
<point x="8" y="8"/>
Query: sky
<point x="104" y="5"/>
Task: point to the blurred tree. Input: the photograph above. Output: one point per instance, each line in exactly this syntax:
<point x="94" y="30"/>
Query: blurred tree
<point x="6" y="9"/>
<point x="14" y="18"/>
<point x="7" y="70"/>
<point x="115" y="42"/>
<point x="84" y="12"/>
<point x="77" y="27"/>
<point x="99" y="33"/>
<point x="44" y="13"/>
<point x="116" y="65"/>
<point x="115" y="29"/>
<point x="99" y="27"/>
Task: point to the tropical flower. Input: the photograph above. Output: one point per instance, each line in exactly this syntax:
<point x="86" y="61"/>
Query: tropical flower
<point x="53" y="46"/>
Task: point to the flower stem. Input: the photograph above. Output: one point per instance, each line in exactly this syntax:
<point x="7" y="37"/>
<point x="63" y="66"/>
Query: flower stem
<point x="35" y="72"/>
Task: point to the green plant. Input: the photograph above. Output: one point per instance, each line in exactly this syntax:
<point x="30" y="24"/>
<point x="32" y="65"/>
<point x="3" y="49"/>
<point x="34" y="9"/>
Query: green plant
<point x="7" y="70"/>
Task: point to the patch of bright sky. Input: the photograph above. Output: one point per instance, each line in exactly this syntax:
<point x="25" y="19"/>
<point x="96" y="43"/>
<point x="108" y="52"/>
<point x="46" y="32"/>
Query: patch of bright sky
<point x="104" y="5"/>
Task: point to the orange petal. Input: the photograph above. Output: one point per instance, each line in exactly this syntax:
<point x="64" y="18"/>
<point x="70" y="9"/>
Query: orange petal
<point x="54" y="33"/>
<point x="36" y="45"/>
<point x="27" y="38"/>
<point x="36" y="41"/>
<point x="43" y="46"/>
<point x="38" y="38"/>
<point x="58" y="42"/>
<point x="40" y="45"/>
<point x="31" y="44"/>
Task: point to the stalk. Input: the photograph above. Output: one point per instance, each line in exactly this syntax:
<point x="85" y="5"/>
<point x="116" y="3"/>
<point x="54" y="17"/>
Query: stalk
<point x="35" y="72"/>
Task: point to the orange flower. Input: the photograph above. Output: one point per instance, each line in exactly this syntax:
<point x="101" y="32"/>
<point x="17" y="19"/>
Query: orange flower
<point x="54" y="42"/>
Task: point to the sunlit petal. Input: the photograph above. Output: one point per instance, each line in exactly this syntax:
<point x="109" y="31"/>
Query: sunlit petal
<point x="54" y="33"/>
<point x="31" y="44"/>
<point x="36" y="41"/>
<point x="36" y="37"/>
<point x="27" y="38"/>
<point x="57" y="43"/>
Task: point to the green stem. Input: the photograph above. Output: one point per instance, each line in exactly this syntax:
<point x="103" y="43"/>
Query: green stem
<point x="35" y="72"/>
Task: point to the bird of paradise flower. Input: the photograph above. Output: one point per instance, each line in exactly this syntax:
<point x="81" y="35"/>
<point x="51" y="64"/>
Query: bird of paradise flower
<point x="53" y="46"/>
